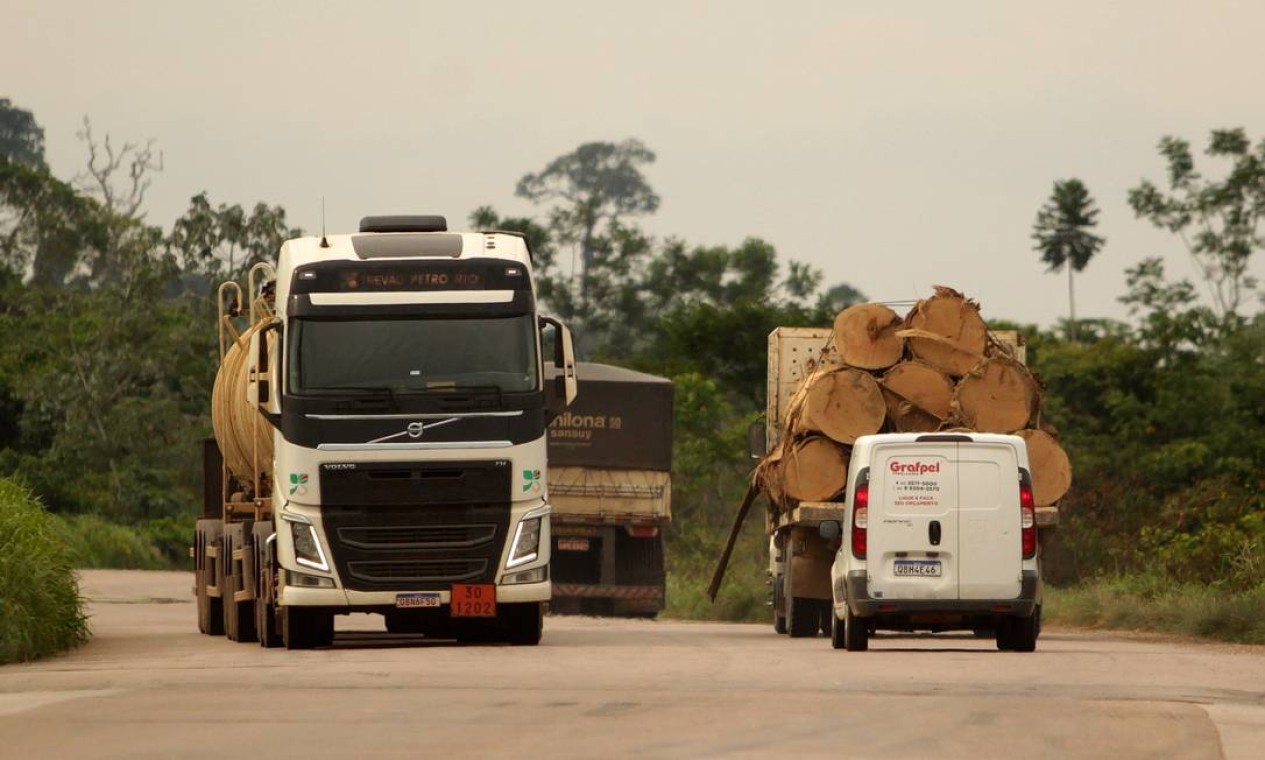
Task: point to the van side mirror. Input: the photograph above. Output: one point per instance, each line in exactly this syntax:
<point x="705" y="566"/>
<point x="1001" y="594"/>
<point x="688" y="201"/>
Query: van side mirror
<point x="830" y="529"/>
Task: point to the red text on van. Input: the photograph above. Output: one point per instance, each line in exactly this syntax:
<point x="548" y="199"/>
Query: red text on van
<point x="913" y="468"/>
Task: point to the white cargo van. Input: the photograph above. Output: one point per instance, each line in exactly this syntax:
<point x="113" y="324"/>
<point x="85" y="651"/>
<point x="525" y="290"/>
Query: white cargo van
<point x="939" y="534"/>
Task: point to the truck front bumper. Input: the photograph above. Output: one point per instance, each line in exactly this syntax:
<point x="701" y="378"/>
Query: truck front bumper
<point x="352" y="601"/>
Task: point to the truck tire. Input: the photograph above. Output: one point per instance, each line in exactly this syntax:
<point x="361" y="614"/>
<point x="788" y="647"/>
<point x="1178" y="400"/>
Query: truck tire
<point x="207" y="533"/>
<point x="856" y="632"/>
<point x="239" y="617"/>
<point x="836" y="631"/>
<point x="825" y="616"/>
<point x="306" y="627"/>
<point x="779" y="605"/>
<point x="265" y="606"/>
<point x="1004" y="636"/>
<point x="523" y="623"/>
<point x="801" y="617"/>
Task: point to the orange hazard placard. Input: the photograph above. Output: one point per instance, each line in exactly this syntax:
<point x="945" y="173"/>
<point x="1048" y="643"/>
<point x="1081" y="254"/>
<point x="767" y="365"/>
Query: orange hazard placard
<point x="473" y="600"/>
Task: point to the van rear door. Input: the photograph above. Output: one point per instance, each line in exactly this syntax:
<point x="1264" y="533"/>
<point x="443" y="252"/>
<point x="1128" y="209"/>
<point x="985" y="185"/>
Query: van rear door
<point x="913" y="526"/>
<point x="990" y="544"/>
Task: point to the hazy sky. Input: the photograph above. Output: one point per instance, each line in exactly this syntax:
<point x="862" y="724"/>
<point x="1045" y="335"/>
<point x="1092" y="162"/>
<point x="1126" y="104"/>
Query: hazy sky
<point x="894" y="145"/>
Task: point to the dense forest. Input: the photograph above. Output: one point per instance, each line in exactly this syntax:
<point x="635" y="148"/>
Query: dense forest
<point x="110" y="352"/>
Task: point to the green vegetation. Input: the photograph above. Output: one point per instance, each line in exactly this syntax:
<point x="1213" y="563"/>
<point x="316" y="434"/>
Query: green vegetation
<point x="40" y="610"/>
<point x="110" y="358"/>
<point x="1151" y="602"/>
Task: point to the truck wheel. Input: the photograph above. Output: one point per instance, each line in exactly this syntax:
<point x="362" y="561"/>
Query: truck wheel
<point x="779" y="605"/>
<point x="836" y="631"/>
<point x="265" y="607"/>
<point x="825" y="616"/>
<point x="239" y="617"/>
<point x="403" y="622"/>
<point x="306" y="627"/>
<point x="856" y="632"/>
<point x="523" y="623"/>
<point x="801" y="617"/>
<point x="210" y="608"/>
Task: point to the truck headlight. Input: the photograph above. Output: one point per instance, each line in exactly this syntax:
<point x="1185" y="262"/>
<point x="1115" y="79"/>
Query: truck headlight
<point x="526" y="543"/>
<point x="307" y="547"/>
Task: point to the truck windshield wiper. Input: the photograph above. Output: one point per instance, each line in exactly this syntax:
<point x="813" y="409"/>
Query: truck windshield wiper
<point x="379" y="390"/>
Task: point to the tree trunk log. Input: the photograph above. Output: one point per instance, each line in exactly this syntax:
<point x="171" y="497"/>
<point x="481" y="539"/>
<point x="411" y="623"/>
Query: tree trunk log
<point x="843" y="404"/>
<point x="814" y="469"/>
<point x="998" y="396"/>
<point x="1051" y="469"/>
<point x="918" y="396"/>
<point x="946" y="331"/>
<point x="865" y="336"/>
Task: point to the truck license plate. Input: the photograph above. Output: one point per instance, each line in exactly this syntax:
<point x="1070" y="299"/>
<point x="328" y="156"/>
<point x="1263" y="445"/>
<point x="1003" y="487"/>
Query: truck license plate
<point x="572" y="544"/>
<point x="473" y="600"/>
<point x="422" y="599"/>
<point x="926" y="568"/>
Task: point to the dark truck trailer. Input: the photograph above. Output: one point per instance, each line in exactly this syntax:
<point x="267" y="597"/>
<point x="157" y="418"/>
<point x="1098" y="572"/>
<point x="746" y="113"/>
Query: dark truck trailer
<point x="610" y="483"/>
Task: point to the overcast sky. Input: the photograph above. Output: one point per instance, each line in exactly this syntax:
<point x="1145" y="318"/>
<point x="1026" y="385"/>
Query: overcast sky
<point x="893" y="145"/>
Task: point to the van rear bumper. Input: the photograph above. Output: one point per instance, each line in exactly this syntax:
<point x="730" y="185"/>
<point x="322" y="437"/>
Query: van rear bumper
<point x="862" y="605"/>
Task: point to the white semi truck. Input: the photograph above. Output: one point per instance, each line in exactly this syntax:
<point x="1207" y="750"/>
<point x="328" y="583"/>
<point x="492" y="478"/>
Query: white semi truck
<point x="380" y="440"/>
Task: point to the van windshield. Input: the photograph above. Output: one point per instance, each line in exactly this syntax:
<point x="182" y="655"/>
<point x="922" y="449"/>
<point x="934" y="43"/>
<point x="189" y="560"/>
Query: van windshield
<point x="420" y="354"/>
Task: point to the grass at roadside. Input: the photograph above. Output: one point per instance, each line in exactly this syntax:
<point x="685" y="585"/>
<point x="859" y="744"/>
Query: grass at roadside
<point x="743" y="596"/>
<point x="40" y="608"/>
<point x="1149" y="603"/>
<point x="158" y="545"/>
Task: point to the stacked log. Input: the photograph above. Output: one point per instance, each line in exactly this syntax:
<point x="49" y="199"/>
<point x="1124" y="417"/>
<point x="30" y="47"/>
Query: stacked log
<point x="937" y="368"/>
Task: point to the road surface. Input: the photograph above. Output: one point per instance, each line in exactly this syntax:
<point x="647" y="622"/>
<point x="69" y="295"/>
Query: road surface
<point x="149" y="686"/>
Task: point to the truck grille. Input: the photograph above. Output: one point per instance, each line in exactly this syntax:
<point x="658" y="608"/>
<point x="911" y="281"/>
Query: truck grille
<point x="418" y="536"/>
<point x="419" y="571"/>
<point x="416" y="547"/>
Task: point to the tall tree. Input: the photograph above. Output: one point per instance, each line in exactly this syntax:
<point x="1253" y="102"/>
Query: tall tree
<point x="1218" y="221"/>
<point x="21" y="138"/>
<point x="595" y="186"/>
<point x="1063" y="236"/>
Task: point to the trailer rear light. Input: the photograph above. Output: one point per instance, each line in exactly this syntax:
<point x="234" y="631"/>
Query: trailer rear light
<point x="1027" y="516"/>
<point x="643" y="531"/>
<point x="860" y="519"/>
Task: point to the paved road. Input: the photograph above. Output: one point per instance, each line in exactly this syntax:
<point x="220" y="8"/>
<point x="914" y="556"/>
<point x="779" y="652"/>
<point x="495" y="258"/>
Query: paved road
<point x="148" y="686"/>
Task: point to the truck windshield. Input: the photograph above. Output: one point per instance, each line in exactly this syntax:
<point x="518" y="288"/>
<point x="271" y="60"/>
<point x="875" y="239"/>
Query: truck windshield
<point x="413" y="355"/>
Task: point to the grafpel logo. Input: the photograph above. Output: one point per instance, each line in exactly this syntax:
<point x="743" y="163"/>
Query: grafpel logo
<point x="913" y="468"/>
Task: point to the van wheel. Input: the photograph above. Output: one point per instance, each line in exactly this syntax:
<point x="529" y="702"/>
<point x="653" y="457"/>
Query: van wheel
<point x="1023" y="632"/>
<point x="856" y="632"/>
<point x="836" y="631"/>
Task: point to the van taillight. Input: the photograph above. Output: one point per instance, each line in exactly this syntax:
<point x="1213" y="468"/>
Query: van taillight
<point x="1027" y="516"/>
<point x="860" y="519"/>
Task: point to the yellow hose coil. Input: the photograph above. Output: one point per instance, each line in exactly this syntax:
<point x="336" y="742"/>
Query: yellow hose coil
<point x="239" y="427"/>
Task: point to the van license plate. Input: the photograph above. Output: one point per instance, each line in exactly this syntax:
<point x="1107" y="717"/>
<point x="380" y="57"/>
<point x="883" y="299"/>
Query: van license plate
<point x="925" y="568"/>
<point x="424" y="599"/>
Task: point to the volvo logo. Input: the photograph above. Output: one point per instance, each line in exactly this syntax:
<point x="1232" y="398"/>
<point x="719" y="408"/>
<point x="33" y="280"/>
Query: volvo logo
<point x="414" y="430"/>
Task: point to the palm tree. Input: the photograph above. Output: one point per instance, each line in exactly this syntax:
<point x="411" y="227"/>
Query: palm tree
<point x="1063" y="236"/>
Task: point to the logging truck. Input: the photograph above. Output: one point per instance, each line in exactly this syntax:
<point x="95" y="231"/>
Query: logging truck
<point x="937" y="369"/>
<point x="610" y="483"/>
<point x="380" y="413"/>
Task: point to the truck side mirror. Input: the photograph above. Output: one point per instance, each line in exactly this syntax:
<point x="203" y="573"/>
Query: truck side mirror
<point x="565" y="385"/>
<point x="830" y="529"/>
<point x="757" y="442"/>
